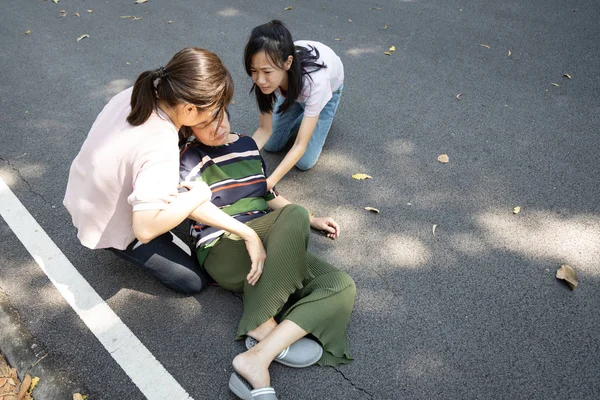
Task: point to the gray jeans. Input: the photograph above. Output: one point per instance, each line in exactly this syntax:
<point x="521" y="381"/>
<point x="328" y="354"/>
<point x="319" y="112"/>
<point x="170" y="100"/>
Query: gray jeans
<point x="170" y="261"/>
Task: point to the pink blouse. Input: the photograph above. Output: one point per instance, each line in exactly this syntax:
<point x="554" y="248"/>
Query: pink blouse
<point x="121" y="169"/>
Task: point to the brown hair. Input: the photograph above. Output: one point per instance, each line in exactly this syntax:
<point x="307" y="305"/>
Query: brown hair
<point x="193" y="76"/>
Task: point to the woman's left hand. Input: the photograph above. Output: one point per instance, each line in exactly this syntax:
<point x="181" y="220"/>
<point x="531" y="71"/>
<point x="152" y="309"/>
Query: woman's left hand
<point x="327" y="225"/>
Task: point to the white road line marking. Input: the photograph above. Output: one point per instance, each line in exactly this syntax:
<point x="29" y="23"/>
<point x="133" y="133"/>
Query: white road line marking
<point x="148" y="374"/>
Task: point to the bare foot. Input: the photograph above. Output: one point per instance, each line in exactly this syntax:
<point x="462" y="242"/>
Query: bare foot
<point x="250" y="366"/>
<point x="263" y="330"/>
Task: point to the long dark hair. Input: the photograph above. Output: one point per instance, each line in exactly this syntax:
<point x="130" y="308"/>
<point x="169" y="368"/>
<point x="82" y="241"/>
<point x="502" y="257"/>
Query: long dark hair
<point x="193" y="76"/>
<point x="276" y="41"/>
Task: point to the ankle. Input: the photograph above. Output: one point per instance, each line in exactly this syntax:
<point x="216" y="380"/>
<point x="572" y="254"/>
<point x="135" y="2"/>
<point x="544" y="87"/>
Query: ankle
<point x="252" y="368"/>
<point x="263" y="330"/>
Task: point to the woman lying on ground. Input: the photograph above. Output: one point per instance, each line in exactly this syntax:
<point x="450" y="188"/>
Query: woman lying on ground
<point x="306" y="294"/>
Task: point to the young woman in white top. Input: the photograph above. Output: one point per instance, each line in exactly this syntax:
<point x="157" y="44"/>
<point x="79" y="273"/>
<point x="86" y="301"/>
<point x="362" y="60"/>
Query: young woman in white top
<point x="298" y="87"/>
<point x="122" y="192"/>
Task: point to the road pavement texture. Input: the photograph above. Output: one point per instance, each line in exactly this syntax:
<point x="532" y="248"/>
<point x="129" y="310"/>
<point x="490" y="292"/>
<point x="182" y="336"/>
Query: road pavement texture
<point x="468" y="310"/>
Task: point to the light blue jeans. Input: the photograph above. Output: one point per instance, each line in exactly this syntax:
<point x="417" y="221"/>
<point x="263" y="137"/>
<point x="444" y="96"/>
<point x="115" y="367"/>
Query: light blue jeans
<point x="289" y="122"/>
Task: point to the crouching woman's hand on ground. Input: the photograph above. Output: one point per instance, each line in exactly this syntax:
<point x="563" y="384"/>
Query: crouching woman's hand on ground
<point x="257" y="254"/>
<point x="327" y="225"/>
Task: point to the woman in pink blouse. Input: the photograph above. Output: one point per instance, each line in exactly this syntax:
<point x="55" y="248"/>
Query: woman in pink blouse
<point x="122" y="190"/>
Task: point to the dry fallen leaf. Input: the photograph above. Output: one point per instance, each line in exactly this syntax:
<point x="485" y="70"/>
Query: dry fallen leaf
<point x="288" y="8"/>
<point x="77" y="14"/>
<point x="55" y="1"/>
<point x="509" y="53"/>
<point x="337" y="39"/>
<point x="443" y="158"/>
<point x="516" y="210"/>
<point x="77" y="396"/>
<point x="360" y="177"/>
<point x="169" y="22"/>
<point x="132" y="17"/>
<point x="28" y="31"/>
<point x="458" y="96"/>
<point x="63" y="13"/>
<point x="433" y="229"/>
<point x="567" y="76"/>
<point x="554" y="84"/>
<point x="90" y="11"/>
<point x="387" y="53"/>
<point x="384" y="27"/>
<point x="140" y="1"/>
<point x="372" y="209"/>
<point x="83" y="37"/>
<point x="34" y="381"/>
<point x="392" y="49"/>
<point x="349" y="20"/>
<point x="485" y="45"/>
<point x="567" y="274"/>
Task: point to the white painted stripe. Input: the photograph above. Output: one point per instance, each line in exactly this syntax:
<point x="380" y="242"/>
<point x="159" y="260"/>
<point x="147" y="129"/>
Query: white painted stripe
<point x="148" y="374"/>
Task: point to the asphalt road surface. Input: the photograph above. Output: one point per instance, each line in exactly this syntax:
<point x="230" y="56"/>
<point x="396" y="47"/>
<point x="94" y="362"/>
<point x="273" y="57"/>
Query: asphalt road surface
<point x="457" y="296"/>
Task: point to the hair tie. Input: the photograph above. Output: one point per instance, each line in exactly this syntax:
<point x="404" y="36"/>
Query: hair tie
<point x="162" y="72"/>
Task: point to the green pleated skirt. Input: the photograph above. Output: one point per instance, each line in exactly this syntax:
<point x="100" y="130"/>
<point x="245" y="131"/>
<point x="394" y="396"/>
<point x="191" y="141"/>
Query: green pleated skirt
<point x="294" y="285"/>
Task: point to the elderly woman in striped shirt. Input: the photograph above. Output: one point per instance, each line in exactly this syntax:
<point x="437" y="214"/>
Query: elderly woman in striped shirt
<point x="294" y="293"/>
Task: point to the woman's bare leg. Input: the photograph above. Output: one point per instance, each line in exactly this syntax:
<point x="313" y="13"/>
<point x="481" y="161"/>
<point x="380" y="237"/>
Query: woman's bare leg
<point x="263" y="330"/>
<point x="253" y="364"/>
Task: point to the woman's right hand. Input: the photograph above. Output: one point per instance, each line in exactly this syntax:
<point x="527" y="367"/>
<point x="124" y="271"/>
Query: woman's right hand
<point x="257" y="254"/>
<point x="200" y="190"/>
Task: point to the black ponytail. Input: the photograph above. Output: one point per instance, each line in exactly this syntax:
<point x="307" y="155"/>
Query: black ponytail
<point x="193" y="76"/>
<point x="276" y="41"/>
<point x="143" y="98"/>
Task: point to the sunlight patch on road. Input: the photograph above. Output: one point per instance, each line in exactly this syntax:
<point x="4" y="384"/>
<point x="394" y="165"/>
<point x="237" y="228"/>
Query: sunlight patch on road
<point x="359" y="51"/>
<point x="542" y="234"/>
<point x="420" y="365"/>
<point x="469" y="244"/>
<point x="229" y="12"/>
<point x="404" y="251"/>
<point x="400" y="147"/>
<point x="339" y="162"/>
<point x="112" y="88"/>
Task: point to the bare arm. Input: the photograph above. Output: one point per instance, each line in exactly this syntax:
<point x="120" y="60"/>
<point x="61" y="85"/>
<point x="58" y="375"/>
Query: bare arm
<point x="325" y="224"/>
<point x="305" y="132"/>
<point x="209" y="214"/>
<point x="265" y="129"/>
<point x="148" y="224"/>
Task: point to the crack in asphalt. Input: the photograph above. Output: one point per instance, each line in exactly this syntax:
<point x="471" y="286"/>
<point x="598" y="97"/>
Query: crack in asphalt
<point x="6" y="160"/>
<point x="385" y="281"/>
<point x="352" y="383"/>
